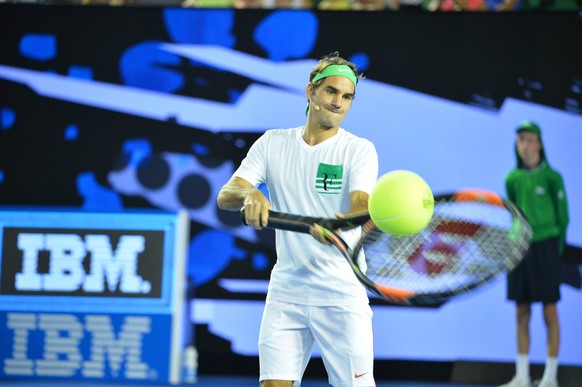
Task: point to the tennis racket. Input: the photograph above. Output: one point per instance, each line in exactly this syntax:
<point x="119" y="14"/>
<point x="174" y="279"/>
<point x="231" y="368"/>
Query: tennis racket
<point x="473" y="237"/>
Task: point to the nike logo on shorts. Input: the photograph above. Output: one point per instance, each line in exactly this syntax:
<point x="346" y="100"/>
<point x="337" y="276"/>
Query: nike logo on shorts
<point x="357" y="376"/>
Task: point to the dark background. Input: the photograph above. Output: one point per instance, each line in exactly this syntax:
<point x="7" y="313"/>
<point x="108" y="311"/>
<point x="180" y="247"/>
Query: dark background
<point x="471" y="58"/>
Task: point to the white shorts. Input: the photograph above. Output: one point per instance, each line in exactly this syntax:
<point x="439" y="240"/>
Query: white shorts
<point x="343" y="334"/>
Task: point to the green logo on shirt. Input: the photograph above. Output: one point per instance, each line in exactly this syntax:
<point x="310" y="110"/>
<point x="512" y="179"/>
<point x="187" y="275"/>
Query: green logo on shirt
<point x="329" y="178"/>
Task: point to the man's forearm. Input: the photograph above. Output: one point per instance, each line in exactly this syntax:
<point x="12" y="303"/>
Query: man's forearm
<point x="232" y="197"/>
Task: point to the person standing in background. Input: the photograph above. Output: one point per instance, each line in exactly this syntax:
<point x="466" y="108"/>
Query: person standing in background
<point x="539" y="191"/>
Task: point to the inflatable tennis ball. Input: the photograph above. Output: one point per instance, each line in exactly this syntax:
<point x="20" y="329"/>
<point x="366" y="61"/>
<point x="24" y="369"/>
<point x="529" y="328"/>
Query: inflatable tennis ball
<point x="401" y="203"/>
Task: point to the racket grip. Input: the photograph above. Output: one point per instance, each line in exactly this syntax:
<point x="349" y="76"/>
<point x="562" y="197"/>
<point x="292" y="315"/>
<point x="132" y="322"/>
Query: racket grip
<point x="302" y="224"/>
<point x="289" y="222"/>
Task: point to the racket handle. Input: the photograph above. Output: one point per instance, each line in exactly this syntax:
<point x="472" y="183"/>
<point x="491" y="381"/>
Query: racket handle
<point x="300" y="223"/>
<point x="282" y="221"/>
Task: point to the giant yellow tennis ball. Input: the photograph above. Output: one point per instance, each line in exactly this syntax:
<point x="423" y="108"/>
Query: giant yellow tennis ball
<point x="401" y="203"/>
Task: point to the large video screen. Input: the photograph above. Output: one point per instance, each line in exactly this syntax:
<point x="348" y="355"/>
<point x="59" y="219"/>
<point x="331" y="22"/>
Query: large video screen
<point x="118" y="108"/>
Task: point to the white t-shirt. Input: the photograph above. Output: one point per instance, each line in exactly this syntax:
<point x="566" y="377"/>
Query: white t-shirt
<point x="312" y="181"/>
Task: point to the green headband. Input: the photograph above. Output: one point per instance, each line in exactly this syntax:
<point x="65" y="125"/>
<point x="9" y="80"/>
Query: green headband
<point x="339" y="70"/>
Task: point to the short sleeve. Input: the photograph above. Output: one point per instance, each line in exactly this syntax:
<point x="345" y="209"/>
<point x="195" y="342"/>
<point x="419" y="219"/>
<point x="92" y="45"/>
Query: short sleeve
<point x="253" y="167"/>
<point x="364" y="170"/>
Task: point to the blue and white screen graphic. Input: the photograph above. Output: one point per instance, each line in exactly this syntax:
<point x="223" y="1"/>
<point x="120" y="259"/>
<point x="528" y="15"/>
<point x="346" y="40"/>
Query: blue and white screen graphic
<point x="158" y="113"/>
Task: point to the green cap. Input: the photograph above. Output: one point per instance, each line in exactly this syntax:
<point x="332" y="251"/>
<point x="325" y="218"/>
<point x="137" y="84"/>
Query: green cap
<point x="529" y="127"/>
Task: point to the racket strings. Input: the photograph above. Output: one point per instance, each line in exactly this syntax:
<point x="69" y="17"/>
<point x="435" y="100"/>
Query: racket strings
<point x="465" y="245"/>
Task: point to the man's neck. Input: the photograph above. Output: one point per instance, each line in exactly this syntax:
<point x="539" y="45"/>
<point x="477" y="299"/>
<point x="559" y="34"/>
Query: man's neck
<point x="532" y="163"/>
<point x="318" y="135"/>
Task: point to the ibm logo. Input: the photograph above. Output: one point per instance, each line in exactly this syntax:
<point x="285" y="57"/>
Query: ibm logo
<point x="62" y="356"/>
<point x="66" y="273"/>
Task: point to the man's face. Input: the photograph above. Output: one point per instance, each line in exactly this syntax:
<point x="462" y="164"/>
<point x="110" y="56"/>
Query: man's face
<point x="528" y="147"/>
<point x="334" y="97"/>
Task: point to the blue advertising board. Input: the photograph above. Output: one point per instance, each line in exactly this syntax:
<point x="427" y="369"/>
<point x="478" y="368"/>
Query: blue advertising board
<point x="96" y="296"/>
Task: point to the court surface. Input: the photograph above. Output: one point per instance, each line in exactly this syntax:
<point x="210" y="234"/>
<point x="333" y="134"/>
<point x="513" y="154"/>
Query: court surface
<point x="224" y="381"/>
<point x="206" y="381"/>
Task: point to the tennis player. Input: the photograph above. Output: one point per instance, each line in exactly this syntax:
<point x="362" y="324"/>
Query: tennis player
<point x="539" y="191"/>
<point x="318" y="169"/>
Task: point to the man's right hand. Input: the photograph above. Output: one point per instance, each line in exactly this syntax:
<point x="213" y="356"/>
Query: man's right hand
<point x="238" y="193"/>
<point x="257" y="208"/>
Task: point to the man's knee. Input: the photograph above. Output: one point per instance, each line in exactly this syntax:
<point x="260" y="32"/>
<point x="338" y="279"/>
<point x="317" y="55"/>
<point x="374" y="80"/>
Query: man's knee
<point x="550" y="314"/>
<point x="276" y="383"/>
